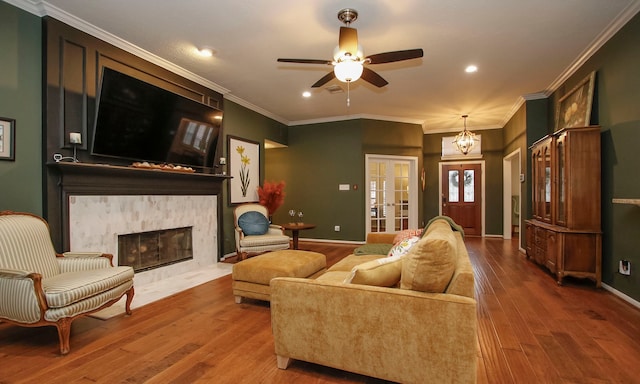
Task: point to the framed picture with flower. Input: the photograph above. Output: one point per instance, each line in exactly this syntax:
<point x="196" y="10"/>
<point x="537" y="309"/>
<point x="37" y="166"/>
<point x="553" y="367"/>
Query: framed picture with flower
<point x="574" y="108"/>
<point x="244" y="168"/>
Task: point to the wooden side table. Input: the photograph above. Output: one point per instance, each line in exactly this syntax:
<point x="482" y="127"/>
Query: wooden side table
<point x="295" y="229"/>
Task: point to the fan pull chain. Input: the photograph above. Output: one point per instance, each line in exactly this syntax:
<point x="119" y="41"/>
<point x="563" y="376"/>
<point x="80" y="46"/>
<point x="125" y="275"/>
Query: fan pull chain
<point x="348" y="94"/>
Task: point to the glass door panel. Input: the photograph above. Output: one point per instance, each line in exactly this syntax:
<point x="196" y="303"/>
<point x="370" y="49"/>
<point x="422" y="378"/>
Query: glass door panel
<point x="389" y="195"/>
<point x="469" y="186"/>
<point x="377" y="195"/>
<point x="401" y="195"/>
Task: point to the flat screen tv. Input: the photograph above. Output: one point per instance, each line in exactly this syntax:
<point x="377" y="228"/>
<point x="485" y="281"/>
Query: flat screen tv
<point x="139" y="121"/>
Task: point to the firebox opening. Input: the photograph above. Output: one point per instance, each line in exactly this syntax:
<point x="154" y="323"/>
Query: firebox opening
<point x="148" y="250"/>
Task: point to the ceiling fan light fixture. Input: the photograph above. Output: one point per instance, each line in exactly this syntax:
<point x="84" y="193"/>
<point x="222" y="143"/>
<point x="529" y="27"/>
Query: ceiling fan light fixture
<point x="348" y="70"/>
<point x="465" y="140"/>
<point x="339" y="55"/>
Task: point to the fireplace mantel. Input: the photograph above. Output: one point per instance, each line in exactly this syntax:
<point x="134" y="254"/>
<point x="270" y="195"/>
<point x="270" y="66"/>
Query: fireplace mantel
<point x="99" y="179"/>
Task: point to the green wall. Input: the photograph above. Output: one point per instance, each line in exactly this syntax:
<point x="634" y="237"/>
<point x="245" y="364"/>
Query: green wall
<point x="616" y="111"/>
<point x="21" y="99"/>
<point x="322" y="156"/>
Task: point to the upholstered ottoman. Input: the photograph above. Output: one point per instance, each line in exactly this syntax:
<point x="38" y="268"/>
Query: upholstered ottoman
<point x="251" y="277"/>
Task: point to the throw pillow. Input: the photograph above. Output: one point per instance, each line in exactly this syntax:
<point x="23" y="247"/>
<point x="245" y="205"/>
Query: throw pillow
<point x="407" y="234"/>
<point x="429" y="265"/>
<point x="384" y="272"/>
<point x="403" y="247"/>
<point x="373" y="249"/>
<point x="253" y="223"/>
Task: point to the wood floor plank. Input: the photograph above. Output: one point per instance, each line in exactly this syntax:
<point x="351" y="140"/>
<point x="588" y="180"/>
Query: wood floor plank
<point x="530" y="331"/>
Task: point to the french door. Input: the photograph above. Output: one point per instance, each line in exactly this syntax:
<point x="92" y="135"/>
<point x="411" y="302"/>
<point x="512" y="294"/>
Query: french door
<point x="462" y="195"/>
<point x="392" y="190"/>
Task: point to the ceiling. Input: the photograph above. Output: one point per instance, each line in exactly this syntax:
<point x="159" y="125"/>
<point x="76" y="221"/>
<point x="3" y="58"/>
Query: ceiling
<point x="523" y="49"/>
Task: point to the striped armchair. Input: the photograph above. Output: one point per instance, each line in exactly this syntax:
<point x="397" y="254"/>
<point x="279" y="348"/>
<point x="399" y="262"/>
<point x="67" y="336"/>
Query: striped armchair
<point x="272" y="240"/>
<point x="39" y="287"/>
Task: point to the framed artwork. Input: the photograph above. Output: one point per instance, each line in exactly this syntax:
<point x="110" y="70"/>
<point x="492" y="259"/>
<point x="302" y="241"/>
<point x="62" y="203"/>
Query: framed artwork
<point x="244" y="166"/>
<point x="574" y="108"/>
<point x="7" y="139"/>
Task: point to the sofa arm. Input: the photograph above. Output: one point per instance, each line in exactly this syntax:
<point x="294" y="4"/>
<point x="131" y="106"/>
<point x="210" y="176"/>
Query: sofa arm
<point x="84" y="261"/>
<point x="388" y="333"/>
<point x="21" y="296"/>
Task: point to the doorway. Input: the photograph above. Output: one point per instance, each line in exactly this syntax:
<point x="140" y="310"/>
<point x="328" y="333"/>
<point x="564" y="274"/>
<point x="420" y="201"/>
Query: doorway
<point x="392" y="193"/>
<point x="462" y="195"/>
<point x="512" y="203"/>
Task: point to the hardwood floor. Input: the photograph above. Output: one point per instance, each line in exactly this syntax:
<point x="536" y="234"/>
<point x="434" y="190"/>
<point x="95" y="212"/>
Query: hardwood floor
<point x="530" y="331"/>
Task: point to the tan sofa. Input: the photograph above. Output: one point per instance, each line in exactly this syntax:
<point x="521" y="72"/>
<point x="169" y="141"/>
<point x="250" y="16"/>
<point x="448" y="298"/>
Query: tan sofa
<point x="399" y="333"/>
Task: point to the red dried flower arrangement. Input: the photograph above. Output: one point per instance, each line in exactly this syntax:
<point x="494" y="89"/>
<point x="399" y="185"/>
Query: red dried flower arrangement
<point x="271" y="195"/>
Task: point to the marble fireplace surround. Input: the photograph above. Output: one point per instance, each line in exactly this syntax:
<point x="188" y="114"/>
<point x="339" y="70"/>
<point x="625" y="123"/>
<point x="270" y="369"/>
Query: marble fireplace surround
<point x="96" y="221"/>
<point x="96" y="202"/>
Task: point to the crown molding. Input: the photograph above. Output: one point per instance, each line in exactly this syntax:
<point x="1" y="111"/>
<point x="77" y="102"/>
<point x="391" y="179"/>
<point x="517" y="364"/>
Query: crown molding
<point x="331" y="119"/>
<point x="618" y="22"/>
<point x="32" y="6"/>
<point x="255" y="108"/>
<point x="42" y="8"/>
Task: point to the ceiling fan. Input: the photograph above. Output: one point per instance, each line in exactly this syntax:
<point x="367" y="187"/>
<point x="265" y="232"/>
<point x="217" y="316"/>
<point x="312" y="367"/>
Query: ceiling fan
<point x="349" y="60"/>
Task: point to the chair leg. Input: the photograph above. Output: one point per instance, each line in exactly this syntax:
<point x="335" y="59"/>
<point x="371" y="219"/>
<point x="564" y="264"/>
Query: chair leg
<point x="64" y="332"/>
<point x="130" y="294"/>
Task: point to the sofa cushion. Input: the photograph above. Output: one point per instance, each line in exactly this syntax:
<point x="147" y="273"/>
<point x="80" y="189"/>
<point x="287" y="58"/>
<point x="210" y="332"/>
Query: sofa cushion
<point x="351" y="261"/>
<point x="403" y="247"/>
<point x="407" y="234"/>
<point x="384" y="272"/>
<point x="430" y="263"/>
<point x="253" y="223"/>
<point x="373" y="249"/>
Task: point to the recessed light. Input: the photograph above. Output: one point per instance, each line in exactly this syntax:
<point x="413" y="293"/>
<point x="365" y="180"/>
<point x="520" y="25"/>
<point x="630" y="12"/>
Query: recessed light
<point x="306" y="94"/>
<point x="471" y="69"/>
<point x="205" y="52"/>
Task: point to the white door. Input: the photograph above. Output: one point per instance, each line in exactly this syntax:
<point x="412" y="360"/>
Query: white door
<point x="392" y="190"/>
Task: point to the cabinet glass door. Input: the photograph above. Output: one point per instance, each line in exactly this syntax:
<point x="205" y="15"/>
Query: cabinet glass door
<point x="536" y="168"/>
<point x="561" y="198"/>
<point x="546" y="153"/>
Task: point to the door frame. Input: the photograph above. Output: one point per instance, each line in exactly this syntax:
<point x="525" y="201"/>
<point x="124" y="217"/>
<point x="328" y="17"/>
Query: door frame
<point x="483" y="187"/>
<point x="510" y="163"/>
<point x="413" y="187"/>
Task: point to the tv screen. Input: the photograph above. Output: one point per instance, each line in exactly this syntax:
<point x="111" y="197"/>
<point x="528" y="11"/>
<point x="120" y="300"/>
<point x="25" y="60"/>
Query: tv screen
<point x="139" y="121"/>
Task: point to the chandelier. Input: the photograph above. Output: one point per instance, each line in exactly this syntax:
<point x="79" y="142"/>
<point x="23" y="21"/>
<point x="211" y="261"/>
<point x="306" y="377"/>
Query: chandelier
<point x="465" y="140"/>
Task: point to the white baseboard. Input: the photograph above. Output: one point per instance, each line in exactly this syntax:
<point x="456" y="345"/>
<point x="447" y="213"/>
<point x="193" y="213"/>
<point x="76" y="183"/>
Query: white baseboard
<point x="621" y="295"/>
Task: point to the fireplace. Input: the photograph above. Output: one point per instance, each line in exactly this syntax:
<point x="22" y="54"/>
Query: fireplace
<point x="97" y="222"/>
<point x="148" y="250"/>
<point x="97" y="203"/>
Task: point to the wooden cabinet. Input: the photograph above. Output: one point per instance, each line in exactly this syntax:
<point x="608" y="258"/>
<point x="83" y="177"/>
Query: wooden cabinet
<point x="564" y="234"/>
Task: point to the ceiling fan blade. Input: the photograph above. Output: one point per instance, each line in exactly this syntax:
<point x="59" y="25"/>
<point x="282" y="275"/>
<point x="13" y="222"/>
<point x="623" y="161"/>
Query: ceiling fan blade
<point x="348" y="40"/>
<point x="373" y="78"/>
<point x="325" y="79"/>
<point x="390" y="57"/>
<point x="305" y="61"/>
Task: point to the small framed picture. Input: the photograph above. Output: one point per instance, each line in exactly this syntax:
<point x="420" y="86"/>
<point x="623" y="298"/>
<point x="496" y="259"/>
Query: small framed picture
<point x="7" y="139"/>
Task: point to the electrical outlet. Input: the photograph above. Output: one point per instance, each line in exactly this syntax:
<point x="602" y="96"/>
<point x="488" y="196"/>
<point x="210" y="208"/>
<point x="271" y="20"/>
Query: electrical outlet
<point x="336" y="228"/>
<point x="624" y="267"/>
